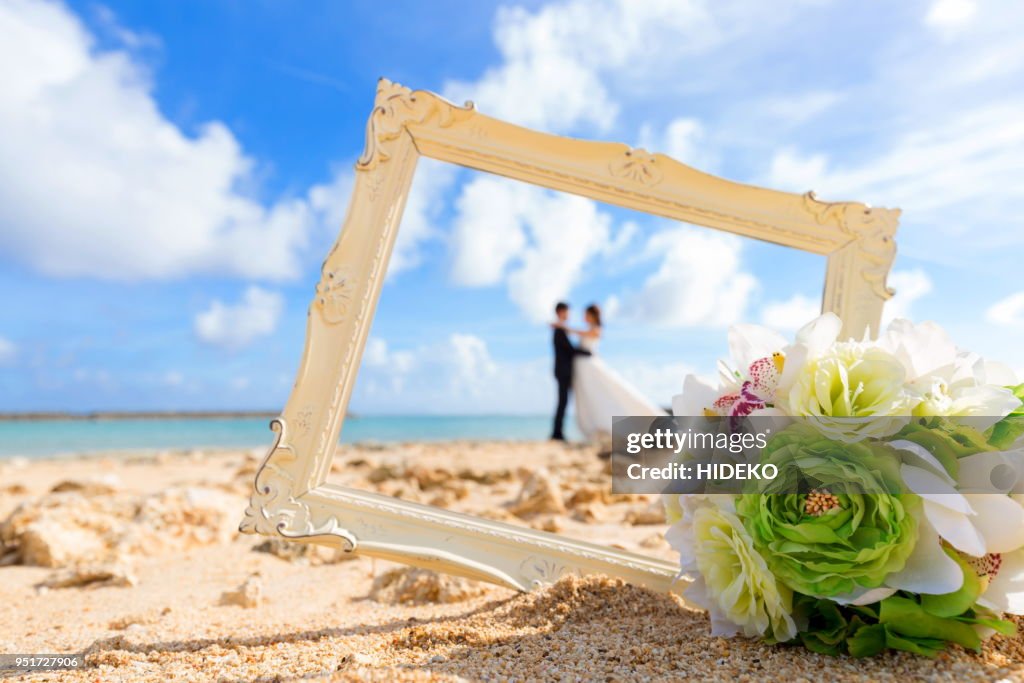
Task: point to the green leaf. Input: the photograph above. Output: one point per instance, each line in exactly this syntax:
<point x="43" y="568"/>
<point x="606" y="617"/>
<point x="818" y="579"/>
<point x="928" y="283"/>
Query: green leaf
<point x="957" y="602"/>
<point x="907" y="618"/>
<point x="826" y="627"/>
<point x="1005" y="432"/>
<point x="935" y="443"/>
<point x="1001" y="626"/>
<point x="868" y="641"/>
<point x="928" y="647"/>
<point x="814" y="643"/>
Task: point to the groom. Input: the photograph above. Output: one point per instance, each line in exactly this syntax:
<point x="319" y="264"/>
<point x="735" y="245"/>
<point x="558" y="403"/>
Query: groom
<point x="564" y="353"/>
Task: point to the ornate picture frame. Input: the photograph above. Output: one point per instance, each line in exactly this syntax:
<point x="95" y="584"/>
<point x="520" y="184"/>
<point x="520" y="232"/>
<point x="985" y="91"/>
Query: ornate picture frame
<point x="292" y="498"/>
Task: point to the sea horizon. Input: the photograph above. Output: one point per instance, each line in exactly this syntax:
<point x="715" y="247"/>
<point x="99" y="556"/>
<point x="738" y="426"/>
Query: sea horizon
<point x="123" y="432"/>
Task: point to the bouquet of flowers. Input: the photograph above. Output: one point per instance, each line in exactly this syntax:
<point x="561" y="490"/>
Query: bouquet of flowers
<point x="904" y="528"/>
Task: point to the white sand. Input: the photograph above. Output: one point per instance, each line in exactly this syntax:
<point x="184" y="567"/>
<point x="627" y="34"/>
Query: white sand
<point x="181" y="617"/>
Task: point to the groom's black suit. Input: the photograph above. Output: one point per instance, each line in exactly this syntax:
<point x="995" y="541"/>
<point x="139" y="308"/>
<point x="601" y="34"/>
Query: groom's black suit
<point x="564" y="353"/>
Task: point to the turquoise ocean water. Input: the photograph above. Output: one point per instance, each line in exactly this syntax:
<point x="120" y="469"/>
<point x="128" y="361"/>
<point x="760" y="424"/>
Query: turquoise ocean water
<point x="46" y="438"/>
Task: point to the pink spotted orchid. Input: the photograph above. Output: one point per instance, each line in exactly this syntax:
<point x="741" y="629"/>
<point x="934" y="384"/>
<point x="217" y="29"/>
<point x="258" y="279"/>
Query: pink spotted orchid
<point x="748" y="382"/>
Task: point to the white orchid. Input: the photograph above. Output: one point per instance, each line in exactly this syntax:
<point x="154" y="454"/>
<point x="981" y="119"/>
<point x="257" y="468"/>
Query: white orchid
<point x="975" y="515"/>
<point x="950" y="382"/>
<point x="747" y="384"/>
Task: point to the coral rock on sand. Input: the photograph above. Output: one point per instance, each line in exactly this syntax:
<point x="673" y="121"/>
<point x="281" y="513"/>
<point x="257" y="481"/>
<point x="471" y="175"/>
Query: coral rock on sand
<point x="591" y="513"/>
<point x="430" y="477"/>
<point x="303" y="553"/>
<point x="53" y="543"/>
<point x="197" y="515"/>
<point x="589" y="494"/>
<point x="69" y="528"/>
<point x="64" y="528"/>
<point x="249" y="594"/>
<point x="540" y="494"/>
<point x="93" y="576"/>
<point x="383" y="473"/>
<point x="550" y="523"/>
<point x="487" y="477"/>
<point x="651" y="515"/>
<point x="91" y="486"/>
<point x="15" y="489"/>
<point x="408" y="585"/>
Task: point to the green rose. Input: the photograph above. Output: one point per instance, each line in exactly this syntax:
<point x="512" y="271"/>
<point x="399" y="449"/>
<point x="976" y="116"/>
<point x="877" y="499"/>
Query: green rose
<point x="835" y="518"/>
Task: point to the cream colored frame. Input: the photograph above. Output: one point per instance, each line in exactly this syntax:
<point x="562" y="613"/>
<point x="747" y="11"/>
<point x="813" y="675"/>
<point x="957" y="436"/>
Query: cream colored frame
<point x="292" y="498"/>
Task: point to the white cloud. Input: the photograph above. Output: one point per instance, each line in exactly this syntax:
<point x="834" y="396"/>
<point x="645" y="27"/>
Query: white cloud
<point x="948" y="179"/>
<point x="700" y="281"/>
<point x="556" y="62"/>
<point x="99" y="183"/>
<point x="791" y="314"/>
<point x="109" y="23"/>
<point x="659" y="382"/>
<point x="456" y="374"/>
<point x="684" y="139"/>
<point x="792" y="171"/>
<point x="910" y="286"/>
<point x="950" y="14"/>
<point x="459" y="375"/>
<point x="611" y="308"/>
<point x="97" y="377"/>
<point x="798" y="107"/>
<point x="8" y="351"/>
<point x="423" y="208"/>
<point x="330" y="200"/>
<point x="488" y="229"/>
<point x="236" y="326"/>
<point x="1007" y="312"/>
<point x="173" y="378"/>
<point x="536" y="241"/>
<point x="378" y="354"/>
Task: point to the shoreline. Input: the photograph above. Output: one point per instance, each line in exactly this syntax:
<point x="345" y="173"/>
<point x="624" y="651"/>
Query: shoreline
<point x="132" y="453"/>
<point x="100" y="415"/>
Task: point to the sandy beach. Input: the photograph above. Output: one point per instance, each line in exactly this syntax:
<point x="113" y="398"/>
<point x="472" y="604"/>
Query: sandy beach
<point x="135" y="562"/>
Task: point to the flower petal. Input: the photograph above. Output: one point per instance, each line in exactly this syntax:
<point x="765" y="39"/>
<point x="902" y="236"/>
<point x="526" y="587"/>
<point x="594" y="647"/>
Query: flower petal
<point x="931" y="487"/>
<point x="820" y="333"/>
<point x="697" y="395"/>
<point x="1005" y="592"/>
<point x="922" y="348"/>
<point x="863" y="596"/>
<point x="999" y="519"/>
<point x="985" y="404"/>
<point x="929" y="569"/>
<point x="748" y="343"/>
<point x="918" y="456"/>
<point x="991" y="472"/>
<point x="956" y="528"/>
<point x="999" y="374"/>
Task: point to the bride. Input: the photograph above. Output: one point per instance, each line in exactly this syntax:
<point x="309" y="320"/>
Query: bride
<point x="601" y="393"/>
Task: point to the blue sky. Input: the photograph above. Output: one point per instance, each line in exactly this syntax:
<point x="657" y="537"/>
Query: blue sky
<point x="174" y="173"/>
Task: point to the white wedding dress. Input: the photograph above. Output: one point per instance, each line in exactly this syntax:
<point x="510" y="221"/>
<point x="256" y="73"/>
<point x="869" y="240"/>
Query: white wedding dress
<point x="602" y="394"/>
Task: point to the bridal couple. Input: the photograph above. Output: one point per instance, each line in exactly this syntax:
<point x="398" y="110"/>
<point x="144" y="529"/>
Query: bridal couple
<point x="600" y="393"/>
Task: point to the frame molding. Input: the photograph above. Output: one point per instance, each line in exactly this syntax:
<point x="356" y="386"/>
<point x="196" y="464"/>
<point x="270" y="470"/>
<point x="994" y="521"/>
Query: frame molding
<point x="291" y="498"/>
